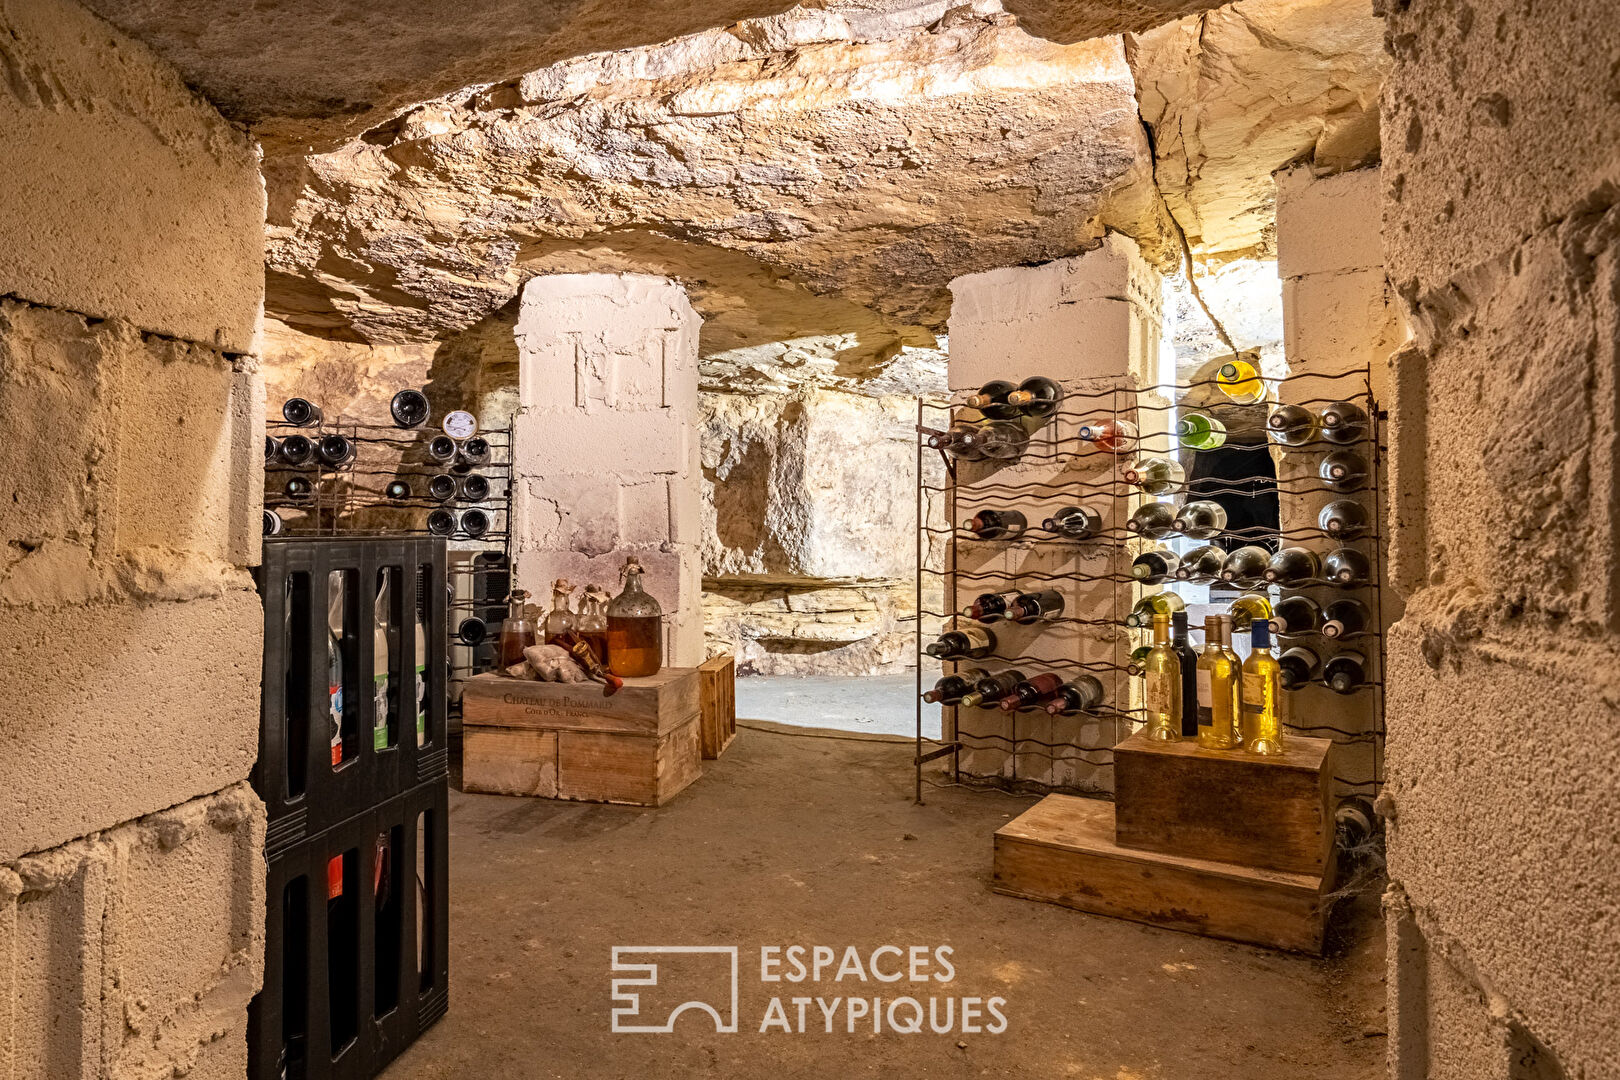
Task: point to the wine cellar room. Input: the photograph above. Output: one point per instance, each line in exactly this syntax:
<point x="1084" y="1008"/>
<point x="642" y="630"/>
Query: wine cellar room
<point x="1023" y="538"/>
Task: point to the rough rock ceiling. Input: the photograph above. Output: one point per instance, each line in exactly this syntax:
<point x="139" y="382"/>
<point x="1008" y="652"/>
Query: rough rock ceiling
<point x="304" y="73"/>
<point x="814" y="172"/>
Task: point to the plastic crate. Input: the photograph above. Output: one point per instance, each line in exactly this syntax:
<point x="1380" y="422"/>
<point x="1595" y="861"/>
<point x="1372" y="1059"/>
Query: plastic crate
<point x="356" y="943"/>
<point x="307" y="783"/>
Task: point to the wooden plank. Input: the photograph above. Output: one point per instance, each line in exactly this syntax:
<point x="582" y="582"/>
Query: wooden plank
<point x="606" y="767"/>
<point x="1062" y="851"/>
<point x="1226" y="805"/>
<point x="680" y="760"/>
<point x="509" y="761"/>
<point x="651" y="706"/>
<point x="718" y="697"/>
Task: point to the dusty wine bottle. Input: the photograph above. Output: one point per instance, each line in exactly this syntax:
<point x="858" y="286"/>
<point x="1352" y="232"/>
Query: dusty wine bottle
<point x="1074" y="523"/>
<point x="1031" y="692"/>
<point x="1201" y="564"/>
<point x="442" y="486"/>
<point x="1343" y="470"/>
<point x="1355" y="823"/>
<point x="1346" y="617"/>
<point x="474" y="488"/>
<point x="409" y="409"/>
<point x="441" y="448"/>
<point x="1043" y="606"/>
<point x="1344" y="422"/>
<point x="441" y="522"/>
<point x="990" y="607"/>
<point x="271" y="448"/>
<point x="1154" y="567"/>
<point x="1344" y="518"/>
<point x="1296" y="615"/>
<point x="950" y="689"/>
<point x="1081" y="694"/>
<point x="1246" y="565"/>
<point x="970" y="642"/>
<point x="1002" y="440"/>
<point x="996" y="525"/>
<point x="991" y="688"/>
<point x="296" y="451"/>
<point x="1298" y="666"/>
<point x="1155" y="475"/>
<point x="1154" y="520"/>
<point x="1291" y="425"/>
<point x="397" y="490"/>
<point x="300" y="413"/>
<point x="991" y="400"/>
<point x="272" y="523"/>
<point x="1201" y="519"/>
<point x="1293" y="565"/>
<point x="1036" y="396"/>
<point x="471" y="631"/>
<point x="474" y="522"/>
<point x="335" y="451"/>
<point x="1347" y="566"/>
<point x="1345" y="672"/>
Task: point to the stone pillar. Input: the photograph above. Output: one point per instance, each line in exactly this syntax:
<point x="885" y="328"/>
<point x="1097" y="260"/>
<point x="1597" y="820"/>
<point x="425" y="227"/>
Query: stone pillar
<point x="131" y="280"/>
<point x="1502" y="235"/>
<point x="606" y="461"/>
<point x="1337" y="319"/>
<point x="1092" y="322"/>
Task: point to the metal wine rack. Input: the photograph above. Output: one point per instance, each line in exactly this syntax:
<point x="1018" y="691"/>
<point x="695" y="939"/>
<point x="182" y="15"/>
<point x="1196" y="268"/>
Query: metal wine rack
<point x="1099" y="569"/>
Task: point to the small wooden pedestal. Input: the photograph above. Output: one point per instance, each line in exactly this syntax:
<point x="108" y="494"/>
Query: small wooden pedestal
<point x="1219" y="843"/>
<point x="567" y="741"/>
<point x="719" y="704"/>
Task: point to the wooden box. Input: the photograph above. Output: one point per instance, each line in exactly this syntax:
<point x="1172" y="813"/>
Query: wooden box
<point x="718" y="704"/>
<point x="1271" y="813"/>
<point x="1063" y="851"/>
<point x="567" y="741"/>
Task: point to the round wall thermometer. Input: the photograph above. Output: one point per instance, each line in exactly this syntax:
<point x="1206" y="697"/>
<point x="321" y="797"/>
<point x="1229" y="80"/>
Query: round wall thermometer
<point x="460" y="424"/>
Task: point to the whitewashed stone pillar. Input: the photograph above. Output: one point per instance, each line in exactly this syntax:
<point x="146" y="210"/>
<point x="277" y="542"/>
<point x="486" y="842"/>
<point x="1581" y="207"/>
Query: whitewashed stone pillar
<point x="606" y="459"/>
<point x="1094" y="323"/>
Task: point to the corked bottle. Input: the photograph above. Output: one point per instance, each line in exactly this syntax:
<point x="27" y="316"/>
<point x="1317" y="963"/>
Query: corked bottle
<point x="635" y="627"/>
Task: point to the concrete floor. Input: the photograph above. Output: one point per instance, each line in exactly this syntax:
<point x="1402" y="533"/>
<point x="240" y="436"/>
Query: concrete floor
<point x="869" y="704"/>
<point x="792" y="839"/>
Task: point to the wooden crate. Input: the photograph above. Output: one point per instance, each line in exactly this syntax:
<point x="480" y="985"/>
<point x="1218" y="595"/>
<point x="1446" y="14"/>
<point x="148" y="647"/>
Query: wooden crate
<point x="1063" y="851"/>
<point x="567" y="741"/>
<point x="718" y="704"/>
<point x="1271" y="813"/>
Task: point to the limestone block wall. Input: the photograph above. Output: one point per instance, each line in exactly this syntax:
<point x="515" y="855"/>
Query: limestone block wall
<point x="606" y="448"/>
<point x="130" y="282"/>
<point x="1501" y="222"/>
<point x="1338" y="318"/>
<point x="1092" y="322"/>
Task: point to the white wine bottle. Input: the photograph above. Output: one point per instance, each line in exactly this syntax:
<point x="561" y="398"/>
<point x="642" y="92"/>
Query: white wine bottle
<point x="1196" y="431"/>
<point x="1155" y="475"/>
<point x="1343" y="519"/>
<point x="1346" y="672"/>
<point x="1201" y="519"/>
<point x="1240" y="381"/>
<point x="1247" y="608"/>
<point x="1344" y="422"/>
<point x="1162" y="668"/>
<point x="1074" y="523"/>
<point x="1291" y="425"/>
<point x="1164" y="603"/>
<point x="1347" y="566"/>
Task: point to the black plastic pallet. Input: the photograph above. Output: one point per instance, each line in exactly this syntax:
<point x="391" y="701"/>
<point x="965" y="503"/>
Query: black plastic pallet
<point x="303" y="790"/>
<point x="357" y="943"/>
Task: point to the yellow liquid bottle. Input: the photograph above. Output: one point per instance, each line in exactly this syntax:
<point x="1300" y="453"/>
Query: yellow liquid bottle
<point x="1164" y="603"/>
<point x="1163" y="671"/>
<point x="1247" y="608"/>
<point x="1262" y="695"/>
<point x="1240" y="381"/>
<point x="1237" y="680"/>
<point x="1218" y="682"/>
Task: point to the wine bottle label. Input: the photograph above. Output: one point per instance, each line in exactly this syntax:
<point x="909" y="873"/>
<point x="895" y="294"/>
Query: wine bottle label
<point x="1206" y="716"/>
<point x="1204" y="693"/>
<point x="379" y="714"/>
<point x="1158" y="692"/>
<point x="1254" y="694"/>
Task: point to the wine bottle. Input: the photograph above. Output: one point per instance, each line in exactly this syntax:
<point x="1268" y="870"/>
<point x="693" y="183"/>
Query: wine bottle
<point x="409" y="409"/>
<point x="1247" y="565"/>
<point x="992" y="688"/>
<point x="271" y="449"/>
<point x="1344" y="422"/>
<point x="1347" y="566"/>
<point x="1240" y="381"/>
<point x="1346" y="617"/>
<point x="996" y="525"/>
<point x="1110" y="435"/>
<point x="1154" y="567"/>
<point x="991" y="400"/>
<point x="1293" y="565"/>
<point x="1201" y="519"/>
<point x="1343" y="470"/>
<point x="381" y="665"/>
<point x="441" y="449"/>
<point x="1030" y="692"/>
<point x="300" y="413"/>
<point x="298" y="488"/>
<point x="1345" y="672"/>
<point x="1156" y="475"/>
<point x="1036" y="396"/>
<point x="1137" y="664"/>
<point x="1296" y="615"/>
<point x="441" y="522"/>
<point x="335" y="451"/>
<point x="442" y="486"/>
<point x="1237" y="679"/>
<point x="296" y="451"/>
<point x="272" y="523"/>
<point x="1187" y="659"/>
<point x="1164" y="603"/>
<point x="1291" y="425"/>
<point x="951" y="688"/>
<point x="1196" y="431"/>
<point x="472" y="631"/>
<point x="1247" y="608"/>
<point x="1218" y="686"/>
<point x="1002" y="440"/>
<point x="1083" y="693"/>
<point x="475" y="452"/>
<point x="1043" y="606"/>
<point x="1262" y="695"/>
<point x="474" y="488"/>
<point x="970" y="642"/>
<point x="1297" y="667"/>
<point x="1343" y="518"/>
<point x="1201" y="564"/>
<point x="1074" y="523"/>
<point x="989" y="607"/>
<point x="397" y="490"/>
<point x="1163" y="670"/>
<point x="474" y="522"/>
<point x="1355" y="823"/>
<point x="1154" y="520"/>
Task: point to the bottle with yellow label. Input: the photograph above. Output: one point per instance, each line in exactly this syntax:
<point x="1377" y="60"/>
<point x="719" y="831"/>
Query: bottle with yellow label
<point x="1219" y="681"/>
<point x="1162" y="668"/>
<point x="1262" y="695"/>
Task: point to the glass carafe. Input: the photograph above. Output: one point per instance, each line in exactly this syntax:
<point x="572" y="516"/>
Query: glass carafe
<point x="591" y="622"/>
<point x="560" y="619"/>
<point x="517" y="632"/>
<point x="635" y="628"/>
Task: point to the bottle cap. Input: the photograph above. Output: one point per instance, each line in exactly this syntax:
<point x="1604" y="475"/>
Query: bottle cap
<point x="1262" y="634"/>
